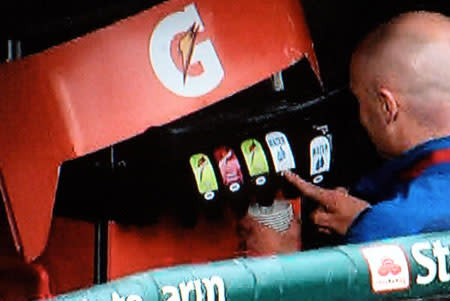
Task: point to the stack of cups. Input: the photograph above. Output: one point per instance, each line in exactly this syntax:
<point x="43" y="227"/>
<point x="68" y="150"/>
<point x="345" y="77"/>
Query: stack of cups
<point x="278" y="216"/>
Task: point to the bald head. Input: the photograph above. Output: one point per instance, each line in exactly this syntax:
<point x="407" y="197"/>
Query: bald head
<point x="410" y="54"/>
<point x="409" y="57"/>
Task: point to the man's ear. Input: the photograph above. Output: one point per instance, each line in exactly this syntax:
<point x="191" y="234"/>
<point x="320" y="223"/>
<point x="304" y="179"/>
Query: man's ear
<point x="389" y="105"/>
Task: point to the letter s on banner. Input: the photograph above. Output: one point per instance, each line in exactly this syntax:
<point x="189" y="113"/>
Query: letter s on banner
<point x="426" y="262"/>
<point x="162" y="62"/>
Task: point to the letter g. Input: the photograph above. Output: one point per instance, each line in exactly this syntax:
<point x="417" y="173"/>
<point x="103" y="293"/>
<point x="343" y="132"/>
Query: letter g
<point x="164" y="66"/>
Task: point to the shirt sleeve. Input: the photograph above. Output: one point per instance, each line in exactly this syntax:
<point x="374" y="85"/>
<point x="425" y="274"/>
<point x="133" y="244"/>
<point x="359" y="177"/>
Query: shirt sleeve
<point x="419" y="206"/>
<point x="365" y="227"/>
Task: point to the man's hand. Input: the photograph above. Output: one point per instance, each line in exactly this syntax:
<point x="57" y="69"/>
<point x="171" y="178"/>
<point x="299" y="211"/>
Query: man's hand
<point x="338" y="209"/>
<point x="261" y="240"/>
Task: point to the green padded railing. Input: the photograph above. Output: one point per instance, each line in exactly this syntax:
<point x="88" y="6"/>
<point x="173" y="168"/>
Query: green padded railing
<point x="402" y="268"/>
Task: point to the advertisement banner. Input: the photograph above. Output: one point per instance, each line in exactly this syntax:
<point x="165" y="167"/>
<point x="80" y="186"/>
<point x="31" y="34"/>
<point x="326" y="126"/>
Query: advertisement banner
<point x="405" y="268"/>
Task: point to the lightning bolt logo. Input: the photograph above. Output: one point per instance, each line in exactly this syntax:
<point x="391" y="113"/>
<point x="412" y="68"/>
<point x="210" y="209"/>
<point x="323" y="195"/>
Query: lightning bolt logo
<point x="186" y="48"/>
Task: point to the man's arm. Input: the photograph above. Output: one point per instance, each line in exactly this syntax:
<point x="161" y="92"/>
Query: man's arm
<point x="337" y="212"/>
<point x="338" y="209"/>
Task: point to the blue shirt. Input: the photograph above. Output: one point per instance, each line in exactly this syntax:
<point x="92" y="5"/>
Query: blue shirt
<point x="405" y="206"/>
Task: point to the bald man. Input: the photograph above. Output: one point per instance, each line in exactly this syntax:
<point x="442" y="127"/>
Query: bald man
<point x="400" y="74"/>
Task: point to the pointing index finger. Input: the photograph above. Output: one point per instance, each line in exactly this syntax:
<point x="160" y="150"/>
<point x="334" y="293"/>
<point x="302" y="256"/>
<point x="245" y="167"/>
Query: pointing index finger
<point x="323" y="196"/>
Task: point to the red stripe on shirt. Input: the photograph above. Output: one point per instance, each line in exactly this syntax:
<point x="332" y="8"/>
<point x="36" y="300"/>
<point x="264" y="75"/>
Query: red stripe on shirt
<point x="434" y="158"/>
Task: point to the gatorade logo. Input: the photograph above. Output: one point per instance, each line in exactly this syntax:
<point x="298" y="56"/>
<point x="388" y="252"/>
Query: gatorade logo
<point x="185" y="63"/>
<point x="204" y="175"/>
<point x="229" y="167"/>
<point x="255" y="159"/>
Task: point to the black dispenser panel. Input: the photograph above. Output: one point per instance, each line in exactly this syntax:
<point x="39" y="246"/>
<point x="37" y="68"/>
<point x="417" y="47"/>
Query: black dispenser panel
<point x="162" y="171"/>
<point x="135" y="180"/>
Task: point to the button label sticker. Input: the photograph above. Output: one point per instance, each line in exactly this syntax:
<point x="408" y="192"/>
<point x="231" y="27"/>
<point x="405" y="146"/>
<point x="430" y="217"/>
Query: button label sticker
<point x="320" y="155"/>
<point x="186" y="25"/>
<point x="229" y="167"/>
<point x="281" y="151"/>
<point x="255" y="158"/>
<point x="204" y="175"/>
